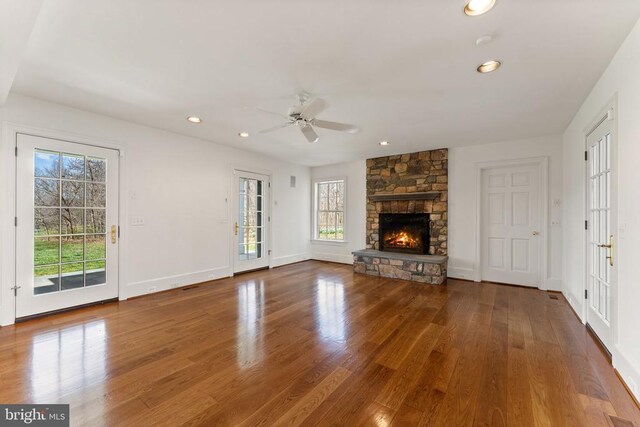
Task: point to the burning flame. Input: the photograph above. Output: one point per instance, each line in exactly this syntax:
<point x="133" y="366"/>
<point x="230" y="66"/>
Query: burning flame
<point x="401" y="240"/>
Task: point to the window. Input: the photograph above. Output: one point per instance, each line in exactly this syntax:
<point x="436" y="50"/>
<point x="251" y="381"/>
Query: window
<point x="329" y="210"/>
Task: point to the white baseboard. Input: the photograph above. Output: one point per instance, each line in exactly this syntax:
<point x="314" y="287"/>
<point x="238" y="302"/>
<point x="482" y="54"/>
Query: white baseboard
<point x="629" y="373"/>
<point x="289" y="259"/>
<point x="575" y="303"/>
<point x="339" y="258"/>
<point x="554" y="284"/>
<point x="169" y="282"/>
<point x="461" y="273"/>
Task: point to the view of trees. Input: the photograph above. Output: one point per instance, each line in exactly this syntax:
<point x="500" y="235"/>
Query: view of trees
<point x="69" y="213"/>
<point x="330" y="220"/>
<point x="251" y="220"/>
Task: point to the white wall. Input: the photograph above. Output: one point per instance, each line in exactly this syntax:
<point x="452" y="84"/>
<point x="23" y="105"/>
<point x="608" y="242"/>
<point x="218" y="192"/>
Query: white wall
<point x="621" y="80"/>
<point x="179" y="185"/>
<point x="355" y="173"/>
<point x="463" y="201"/>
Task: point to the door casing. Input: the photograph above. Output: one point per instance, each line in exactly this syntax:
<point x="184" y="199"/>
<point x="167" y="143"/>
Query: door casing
<point x="10" y="131"/>
<point x="609" y="112"/>
<point x="543" y="172"/>
<point x="232" y="198"/>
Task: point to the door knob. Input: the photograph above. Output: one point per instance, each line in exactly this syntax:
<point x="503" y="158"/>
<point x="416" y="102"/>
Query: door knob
<point x="236" y="229"/>
<point x="535" y="233"/>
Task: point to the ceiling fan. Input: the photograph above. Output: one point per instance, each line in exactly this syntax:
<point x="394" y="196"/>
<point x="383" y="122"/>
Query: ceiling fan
<point x="304" y="116"/>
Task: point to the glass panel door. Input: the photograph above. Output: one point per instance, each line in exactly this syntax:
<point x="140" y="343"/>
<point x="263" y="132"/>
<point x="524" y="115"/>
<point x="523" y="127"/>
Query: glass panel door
<point x="251" y="221"/>
<point x="601" y="258"/>
<point x="67" y="194"/>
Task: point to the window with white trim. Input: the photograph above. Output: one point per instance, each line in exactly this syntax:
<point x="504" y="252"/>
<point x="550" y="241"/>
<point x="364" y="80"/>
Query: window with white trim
<point x="329" y="202"/>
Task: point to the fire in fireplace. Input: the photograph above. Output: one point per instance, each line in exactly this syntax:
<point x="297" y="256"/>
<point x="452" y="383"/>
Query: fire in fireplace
<point x="404" y="233"/>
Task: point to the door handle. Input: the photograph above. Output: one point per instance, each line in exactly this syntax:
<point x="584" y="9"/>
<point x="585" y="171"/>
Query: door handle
<point x="610" y="247"/>
<point x="236" y="229"/>
<point x="535" y="233"/>
<point x="114" y="234"/>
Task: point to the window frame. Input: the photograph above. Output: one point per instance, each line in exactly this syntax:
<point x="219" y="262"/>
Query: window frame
<point x="315" y="193"/>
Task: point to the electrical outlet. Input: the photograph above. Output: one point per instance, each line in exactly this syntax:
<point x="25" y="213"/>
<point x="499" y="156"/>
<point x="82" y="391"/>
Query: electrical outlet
<point x="151" y="289"/>
<point x="137" y="221"/>
<point x="174" y="285"/>
<point x="632" y="385"/>
<point x="211" y="276"/>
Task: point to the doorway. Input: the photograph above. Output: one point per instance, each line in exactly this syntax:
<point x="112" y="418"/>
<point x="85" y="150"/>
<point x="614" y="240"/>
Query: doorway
<point x="601" y="221"/>
<point x="66" y="224"/>
<point x="251" y="221"/>
<point x="511" y="224"/>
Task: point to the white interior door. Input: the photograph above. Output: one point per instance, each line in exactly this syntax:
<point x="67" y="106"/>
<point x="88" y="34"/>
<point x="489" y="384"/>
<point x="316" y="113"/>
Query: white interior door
<point x="251" y="231"/>
<point x="601" y="223"/>
<point x="510" y="225"/>
<point x="67" y="225"/>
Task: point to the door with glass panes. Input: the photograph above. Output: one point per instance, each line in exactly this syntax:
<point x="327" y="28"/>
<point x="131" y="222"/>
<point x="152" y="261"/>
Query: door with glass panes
<point x="251" y="219"/>
<point x="601" y="220"/>
<point x="67" y="225"/>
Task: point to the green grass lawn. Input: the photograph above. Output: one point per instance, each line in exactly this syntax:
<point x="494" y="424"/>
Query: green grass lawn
<point x="46" y="252"/>
<point x="332" y="234"/>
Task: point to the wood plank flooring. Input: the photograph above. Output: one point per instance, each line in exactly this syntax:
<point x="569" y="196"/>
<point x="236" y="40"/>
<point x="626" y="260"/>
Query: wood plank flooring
<point x="314" y="344"/>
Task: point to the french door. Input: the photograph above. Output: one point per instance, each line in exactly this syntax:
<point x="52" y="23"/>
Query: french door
<point x="601" y="254"/>
<point x="67" y="225"/>
<point x="510" y="245"/>
<point x="251" y="231"/>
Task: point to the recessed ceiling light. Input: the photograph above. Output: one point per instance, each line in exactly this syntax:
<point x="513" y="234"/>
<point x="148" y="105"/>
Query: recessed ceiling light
<point x="243" y="134"/>
<point x="489" y="66"/>
<point x="384" y="142"/>
<point x="194" y="119"/>
<point x="478" y="7"/>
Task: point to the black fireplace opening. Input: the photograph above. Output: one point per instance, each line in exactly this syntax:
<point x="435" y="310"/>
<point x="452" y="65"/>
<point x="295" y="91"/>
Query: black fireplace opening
<point x="408" y="233"/>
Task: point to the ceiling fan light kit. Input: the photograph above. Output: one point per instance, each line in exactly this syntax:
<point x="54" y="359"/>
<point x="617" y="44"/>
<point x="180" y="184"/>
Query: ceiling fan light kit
<point x="304" y="116"/>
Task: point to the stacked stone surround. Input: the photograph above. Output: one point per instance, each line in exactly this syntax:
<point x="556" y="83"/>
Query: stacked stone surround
<point x="425" y="171"/>
<point x="417" y="268"/>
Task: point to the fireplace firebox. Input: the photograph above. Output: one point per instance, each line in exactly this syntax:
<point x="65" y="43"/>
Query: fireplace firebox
<point x="408" y="233"/>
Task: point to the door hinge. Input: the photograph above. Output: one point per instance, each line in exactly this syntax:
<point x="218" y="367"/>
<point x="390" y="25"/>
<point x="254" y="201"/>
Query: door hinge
<point x="586" y="156"/>
<point x="16" y="151"/>
<point x="269" y="252"/>
<point x="118" y="232"/>
<point x="269" y="184"/>
<point x="15" y="221"/>
<point x="586" y="294"/>
<point x="15" y="290"/>
<point x="268" y="219"/>
<point x="586" y="224"/>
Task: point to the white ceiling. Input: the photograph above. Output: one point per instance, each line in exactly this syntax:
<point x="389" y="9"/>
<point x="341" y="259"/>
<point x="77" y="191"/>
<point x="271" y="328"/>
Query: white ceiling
<point x="402" y="70"/>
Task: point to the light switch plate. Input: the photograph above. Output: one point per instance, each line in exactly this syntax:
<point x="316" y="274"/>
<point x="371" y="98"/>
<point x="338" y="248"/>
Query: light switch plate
<point x="137" y="221"/>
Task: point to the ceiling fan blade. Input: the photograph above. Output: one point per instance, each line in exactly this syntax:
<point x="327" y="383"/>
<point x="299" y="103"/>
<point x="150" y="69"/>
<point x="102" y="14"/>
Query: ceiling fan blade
<point x="275" y="114"/>
<point x="312" y="109"/>
<point x="342" y="127"/>
<point x="310" y="134"/>
<point x="276" y="128"/>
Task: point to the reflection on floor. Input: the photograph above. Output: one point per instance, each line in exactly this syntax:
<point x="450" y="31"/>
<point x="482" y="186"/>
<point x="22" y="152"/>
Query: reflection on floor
<point x="312" y="343"/>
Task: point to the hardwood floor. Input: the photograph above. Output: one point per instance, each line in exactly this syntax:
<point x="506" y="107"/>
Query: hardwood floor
<point x="312" y="343"/>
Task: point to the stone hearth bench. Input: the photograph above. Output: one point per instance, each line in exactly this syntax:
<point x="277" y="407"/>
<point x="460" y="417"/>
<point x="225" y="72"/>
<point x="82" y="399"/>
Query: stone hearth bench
<point x="417" y="268"/>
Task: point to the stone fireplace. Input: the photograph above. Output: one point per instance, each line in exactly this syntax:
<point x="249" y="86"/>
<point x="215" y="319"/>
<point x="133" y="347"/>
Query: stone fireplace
<point x="411" y="184"/>
<point x="407" y="212"/>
